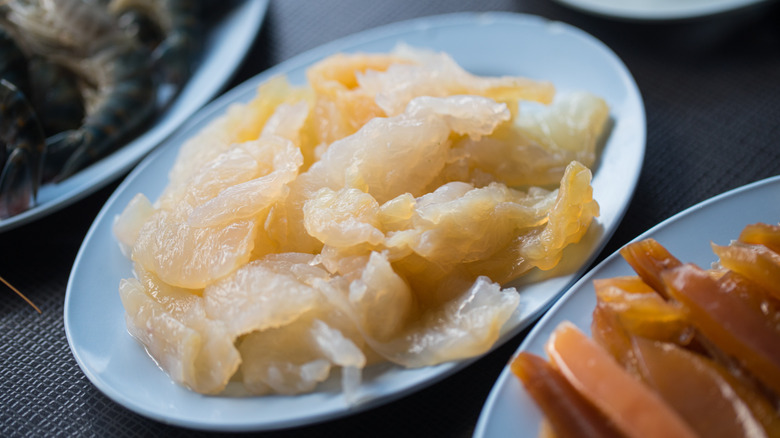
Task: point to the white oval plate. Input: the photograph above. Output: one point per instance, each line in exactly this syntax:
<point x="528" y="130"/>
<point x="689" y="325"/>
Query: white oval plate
<point x="495" y="43"/>
<point x="659" y="10"/>
<point x="223" y="50"/>
<point x="687" y="235"/>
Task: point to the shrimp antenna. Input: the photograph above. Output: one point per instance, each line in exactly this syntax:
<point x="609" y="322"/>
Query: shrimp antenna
<point x="20" y="294"/>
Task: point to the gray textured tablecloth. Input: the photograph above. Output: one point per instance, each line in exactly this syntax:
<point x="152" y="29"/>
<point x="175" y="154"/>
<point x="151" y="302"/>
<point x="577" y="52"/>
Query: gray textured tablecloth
<point x="711" y="89"/>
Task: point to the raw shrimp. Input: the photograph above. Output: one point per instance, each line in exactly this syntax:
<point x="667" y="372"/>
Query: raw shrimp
<point x="55" y="96"/>
<point x="59" y="28"/>
<point x="21" y="151"/>
<point x="21" y="139"/>
<point x="13" y="64"/>
<point x="170" y="27"/>
<point x="125" y="101"/>
<point x="119" y="95"/>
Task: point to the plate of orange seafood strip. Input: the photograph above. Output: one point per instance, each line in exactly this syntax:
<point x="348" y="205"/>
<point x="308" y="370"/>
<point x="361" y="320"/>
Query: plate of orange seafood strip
<point x="81" y="108"/>
<point x="676" y="334"/>
<point x="356" y="223"/>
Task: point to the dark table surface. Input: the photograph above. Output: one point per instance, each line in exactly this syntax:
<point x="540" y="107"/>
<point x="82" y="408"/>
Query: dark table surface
<point x="711" y="89"/>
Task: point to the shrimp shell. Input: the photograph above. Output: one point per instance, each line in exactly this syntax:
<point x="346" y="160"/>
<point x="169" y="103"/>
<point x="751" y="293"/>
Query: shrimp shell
<point x="125" y="98"/>
<point x="13" y="63"/>
<point x="178" y="22"/>
<point x="55" y="96"/>
<point x="22" y="151"/>
<point x="59" y="29"/>
<point x="117" y="85"/>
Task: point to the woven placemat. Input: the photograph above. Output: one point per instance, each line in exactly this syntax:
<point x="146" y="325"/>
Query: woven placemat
<point x="713" y="121"/>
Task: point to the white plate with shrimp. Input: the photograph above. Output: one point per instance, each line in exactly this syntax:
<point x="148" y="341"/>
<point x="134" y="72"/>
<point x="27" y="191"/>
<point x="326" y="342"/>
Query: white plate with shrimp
<point x="487" y="44"/>
<point x="686" y="235"/>
<point x="224" y="47"/>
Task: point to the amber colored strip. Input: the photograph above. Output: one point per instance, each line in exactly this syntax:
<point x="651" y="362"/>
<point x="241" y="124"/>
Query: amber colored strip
<point x="763" y="234"/>
<point x="728" y="322"/>
<point x="628" y="284"/>
<point x="649" y="259"/>
<point x="694" y="386"/>
<point x="756" y="262"/>
<point x="568" y="413"/>
<point x="633" y="408"/>
<point x="610" y="334"/>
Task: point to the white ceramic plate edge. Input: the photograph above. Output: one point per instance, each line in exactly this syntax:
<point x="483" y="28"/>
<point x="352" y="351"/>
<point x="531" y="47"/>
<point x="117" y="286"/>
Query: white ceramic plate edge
<point x="659" y="10"/>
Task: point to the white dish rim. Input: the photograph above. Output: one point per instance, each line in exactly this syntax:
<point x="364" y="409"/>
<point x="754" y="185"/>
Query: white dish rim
<point x="660" y="11"/>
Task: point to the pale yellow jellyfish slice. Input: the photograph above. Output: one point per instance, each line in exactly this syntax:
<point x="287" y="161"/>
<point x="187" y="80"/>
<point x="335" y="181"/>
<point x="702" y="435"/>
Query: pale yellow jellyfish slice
<point x="394" y="324"/>
<point x="432" y="238"/>
<point x="245" y="199"/>
<point x="345" y="261"/>
<point x="128" y="224"/>
<point x="264" y="294"/>
<point x="242" y="122"/>
<point x="536" y="148"/>
<point x="459" y="223"/>
<point x="234" y="166"/>
<point x="542" y="247"/>
<point x="277" y="148"/>
<point x="568" y="220"/>
<point x="436" y="74"/>
<point x="412" y="145"/>
<point x="343" y="218"/>
<point x="295" y="122"/>
<point x="572" y="124"/>
<point x="171" y="323"/>
<point x="207" y="144"/>
<point x="380" y="301"/>
<point x="342" y="108"/>
<point x="347" y="223"/>
<point x="296" y="357"/>
<point x="192" y="257"/>
<point x="212" y="229"/>
<point x="341" y="351"/>
<point x="248" y="121"/>
<point x="287" y="122"/>
<point x="464" y="327"/>
<point x="172" y="344"/>
<point x="396" y="214"/>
